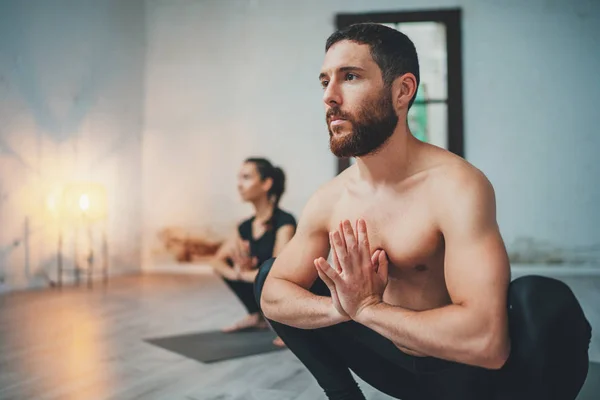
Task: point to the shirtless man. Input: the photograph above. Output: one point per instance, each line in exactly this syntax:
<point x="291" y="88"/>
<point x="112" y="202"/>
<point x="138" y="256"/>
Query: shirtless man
<point x="414" y="300"/>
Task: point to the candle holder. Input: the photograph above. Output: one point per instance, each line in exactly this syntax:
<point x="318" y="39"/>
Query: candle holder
<point x="84" y="210"/>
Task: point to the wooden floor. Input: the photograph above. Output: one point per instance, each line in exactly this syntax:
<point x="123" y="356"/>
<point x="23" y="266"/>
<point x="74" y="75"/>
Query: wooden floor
<point x="80" y="344"/>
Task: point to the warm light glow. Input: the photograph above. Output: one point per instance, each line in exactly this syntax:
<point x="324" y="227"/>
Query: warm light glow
<point x="51" y="203"/>
<point x="84" y="199"/>
<point x="84" y="202"/>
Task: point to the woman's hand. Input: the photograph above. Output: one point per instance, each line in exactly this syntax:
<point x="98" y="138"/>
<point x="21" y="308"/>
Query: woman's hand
<point x="240" y="254"/>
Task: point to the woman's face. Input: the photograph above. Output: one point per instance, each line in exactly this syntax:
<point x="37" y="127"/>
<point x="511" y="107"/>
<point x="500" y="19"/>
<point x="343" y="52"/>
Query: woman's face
<point x="250" y="185"/>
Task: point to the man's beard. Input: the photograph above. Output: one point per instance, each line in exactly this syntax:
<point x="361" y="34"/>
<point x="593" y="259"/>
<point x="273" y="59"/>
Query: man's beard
<point x="371" y="128"/>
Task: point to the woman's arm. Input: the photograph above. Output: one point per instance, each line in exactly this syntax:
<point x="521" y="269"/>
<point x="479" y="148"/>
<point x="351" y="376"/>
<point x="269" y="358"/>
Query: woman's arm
<point x="219" y="260"/>
<point x="282" y="237"/>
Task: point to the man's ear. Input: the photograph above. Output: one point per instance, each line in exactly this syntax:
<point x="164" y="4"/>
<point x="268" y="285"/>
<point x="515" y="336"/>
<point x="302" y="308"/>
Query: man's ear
<point x="404" y="89"/>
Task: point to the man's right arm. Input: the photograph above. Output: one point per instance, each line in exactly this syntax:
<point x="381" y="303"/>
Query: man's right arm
<point x="285" y="296"/>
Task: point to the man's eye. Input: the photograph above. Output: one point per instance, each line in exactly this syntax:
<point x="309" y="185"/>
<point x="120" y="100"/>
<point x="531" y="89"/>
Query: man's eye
<point x="350" y="76"/>
<point x="324" y="84"/>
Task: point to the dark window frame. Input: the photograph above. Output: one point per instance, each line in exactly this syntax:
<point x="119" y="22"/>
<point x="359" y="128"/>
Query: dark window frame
<point x="451" y="18"/>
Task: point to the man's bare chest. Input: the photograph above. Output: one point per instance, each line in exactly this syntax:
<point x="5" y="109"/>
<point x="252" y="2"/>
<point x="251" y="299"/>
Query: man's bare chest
<point x="406" y="230"/>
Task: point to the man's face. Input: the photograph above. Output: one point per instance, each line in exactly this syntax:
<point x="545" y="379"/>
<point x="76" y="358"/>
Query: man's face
<point x="359" y="110"/>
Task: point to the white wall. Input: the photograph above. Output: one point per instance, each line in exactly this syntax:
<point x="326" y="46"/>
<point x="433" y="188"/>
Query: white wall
<point x="221" y="81"/>
<point x="71" y="89"/>
<point x="532" y="124"/>
<point x="226" y="80"/>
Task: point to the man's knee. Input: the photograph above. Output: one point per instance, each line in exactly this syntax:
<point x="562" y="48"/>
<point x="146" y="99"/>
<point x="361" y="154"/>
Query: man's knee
<point x="261" y="277"/>
<point x="546" y="301"/>
<point x="550" y="336"/>
<point x="545" y="317"/>
<point x="535" y="289"/>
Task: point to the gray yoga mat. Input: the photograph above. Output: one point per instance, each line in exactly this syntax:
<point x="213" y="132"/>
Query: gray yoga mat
<point x="213" y="346"/>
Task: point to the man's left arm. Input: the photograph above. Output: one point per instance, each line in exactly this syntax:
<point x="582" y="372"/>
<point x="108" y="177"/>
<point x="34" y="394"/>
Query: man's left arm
<point x="474" y="328"/>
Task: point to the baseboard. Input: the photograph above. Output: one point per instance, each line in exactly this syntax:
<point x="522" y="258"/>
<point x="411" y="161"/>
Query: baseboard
<point x="556" y="270"/>
<point x="179" y="268"/>
<point x="520" y="269"/>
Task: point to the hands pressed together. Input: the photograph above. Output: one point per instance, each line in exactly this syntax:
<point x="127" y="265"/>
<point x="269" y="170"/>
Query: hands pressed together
<point x="242" y="261"/>
<point x="357" y="278"/>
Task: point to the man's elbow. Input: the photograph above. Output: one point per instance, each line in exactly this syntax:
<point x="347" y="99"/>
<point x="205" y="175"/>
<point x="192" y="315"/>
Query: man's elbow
<point x="266" y="308"/>
<point x="267" y="311"/>
<point x="266" y="301"/>
<point x="494" y="352"/>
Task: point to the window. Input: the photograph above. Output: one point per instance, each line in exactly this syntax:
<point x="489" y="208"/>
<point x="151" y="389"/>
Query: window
<point x="436" y="116"/>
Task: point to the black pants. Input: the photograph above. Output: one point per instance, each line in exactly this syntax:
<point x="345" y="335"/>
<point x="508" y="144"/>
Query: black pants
<point x="549" y="353"/>
<point x="245" y="293"/>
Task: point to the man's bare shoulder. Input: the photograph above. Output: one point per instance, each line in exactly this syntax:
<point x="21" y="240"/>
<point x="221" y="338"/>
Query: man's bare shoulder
<point x="457" y="173"/>
<point x="454" y="182"/>
<point x="322" y="202"/>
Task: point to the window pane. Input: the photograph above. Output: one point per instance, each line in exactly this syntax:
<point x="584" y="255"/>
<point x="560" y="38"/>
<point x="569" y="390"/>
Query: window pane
<point x="429" y="123"/>
<point x="430" y="41"/>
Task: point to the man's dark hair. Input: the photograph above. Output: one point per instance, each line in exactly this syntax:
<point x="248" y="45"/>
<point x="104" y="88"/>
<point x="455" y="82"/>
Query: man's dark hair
<point x="392" y="50"/>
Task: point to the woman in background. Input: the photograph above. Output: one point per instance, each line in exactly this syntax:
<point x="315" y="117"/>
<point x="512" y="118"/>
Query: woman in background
<point x="257" y="239"/>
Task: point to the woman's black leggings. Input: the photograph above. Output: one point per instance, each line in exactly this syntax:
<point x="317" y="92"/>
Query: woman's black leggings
<point x="245" y="293"/>
<point x="550" y="337"/>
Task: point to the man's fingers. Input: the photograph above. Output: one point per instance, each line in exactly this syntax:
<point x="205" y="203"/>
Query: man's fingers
<point x="328" y="282"/>
<point x="375" y="259"/>
<point x="336" y="261"/>
<point x="326" y="272"/>
<point x="339" y="251"/>
<point x="325" y="267"/>
<point x="349" y="237"/>
<point x="325" y="279"/>
<point x="382" y="272"/>
<point x="341" y="232"/>
<point x="363" y="240"/>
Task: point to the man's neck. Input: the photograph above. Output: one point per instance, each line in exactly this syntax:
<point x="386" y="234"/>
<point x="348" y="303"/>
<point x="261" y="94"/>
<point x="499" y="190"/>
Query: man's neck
<point x="392" y="162"/>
